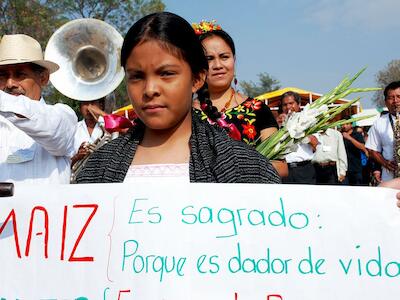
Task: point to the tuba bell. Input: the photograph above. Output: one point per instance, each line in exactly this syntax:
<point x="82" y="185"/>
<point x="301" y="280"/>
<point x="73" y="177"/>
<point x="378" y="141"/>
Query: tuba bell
<point x="88" y="53"/>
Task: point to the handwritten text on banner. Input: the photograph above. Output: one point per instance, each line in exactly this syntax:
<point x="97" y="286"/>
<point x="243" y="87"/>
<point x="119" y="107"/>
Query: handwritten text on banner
<point x="199" y="241"/>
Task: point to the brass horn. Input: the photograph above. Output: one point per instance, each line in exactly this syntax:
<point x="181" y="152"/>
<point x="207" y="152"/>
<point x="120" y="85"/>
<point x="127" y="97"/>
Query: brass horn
<point x="88" y="52"/>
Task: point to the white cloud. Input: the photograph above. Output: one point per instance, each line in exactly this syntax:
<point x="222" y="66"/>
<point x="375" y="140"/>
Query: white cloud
<point x="362" y="14"/>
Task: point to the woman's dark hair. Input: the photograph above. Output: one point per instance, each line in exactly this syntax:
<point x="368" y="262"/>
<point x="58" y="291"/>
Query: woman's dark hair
<point x="174" y="33"/>
<point x="222" y="34"/>
<point x="178" y="36"/>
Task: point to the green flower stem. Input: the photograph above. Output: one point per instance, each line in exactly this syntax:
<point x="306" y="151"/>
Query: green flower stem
<point x="277" y="154"/>
<point x="271" y="141"/>
<point x="333" y="112"/>
<point x="342" y="122"/>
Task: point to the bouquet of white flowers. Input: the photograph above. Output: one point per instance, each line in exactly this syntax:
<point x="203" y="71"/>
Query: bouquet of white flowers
<point x="314" y="117"/>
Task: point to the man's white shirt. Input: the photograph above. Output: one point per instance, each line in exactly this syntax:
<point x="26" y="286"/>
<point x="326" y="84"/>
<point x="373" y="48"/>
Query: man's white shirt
<point x="36" y="140"/>
<point x="82" y="134"/>
<point x="380" y="139"/>
<point x="331" y="148"/>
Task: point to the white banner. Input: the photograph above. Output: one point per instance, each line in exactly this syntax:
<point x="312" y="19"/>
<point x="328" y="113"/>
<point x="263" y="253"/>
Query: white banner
<point x="199" y="241"/>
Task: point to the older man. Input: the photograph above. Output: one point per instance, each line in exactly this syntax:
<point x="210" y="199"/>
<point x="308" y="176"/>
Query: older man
<point x="36" y="139"/>
<point x="381" y="141"/>
<point x="301" y="170"/>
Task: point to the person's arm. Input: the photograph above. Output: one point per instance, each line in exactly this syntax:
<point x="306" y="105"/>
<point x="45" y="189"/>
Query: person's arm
<point x="313" y="142"/>
<point x="387" y="164"/>
<point x="267" y="132"/>
<point x="359" y="144"/>
<point x="51" y="126"/>
<point x="375" y="148"/>
<point x="281" y="167"/>
<point x="96" y="112"/>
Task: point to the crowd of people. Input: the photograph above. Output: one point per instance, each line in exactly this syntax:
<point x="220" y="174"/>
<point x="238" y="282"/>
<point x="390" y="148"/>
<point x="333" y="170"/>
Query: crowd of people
<point x="335" y="156"/>
<point x="192" y="123"/>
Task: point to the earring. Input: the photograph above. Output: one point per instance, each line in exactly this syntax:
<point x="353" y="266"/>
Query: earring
<point x="235" y="81"/>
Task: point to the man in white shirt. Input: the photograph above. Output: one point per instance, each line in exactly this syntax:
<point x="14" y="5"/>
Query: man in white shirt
<point x="36" y="139"/>
<point x="301" y="170"/>
<point x="380" y="136"/>
<point x="89" y="129"/>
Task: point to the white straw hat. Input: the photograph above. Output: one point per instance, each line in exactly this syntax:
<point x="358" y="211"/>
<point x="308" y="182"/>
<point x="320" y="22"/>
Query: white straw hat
<point x="20" y="48"/>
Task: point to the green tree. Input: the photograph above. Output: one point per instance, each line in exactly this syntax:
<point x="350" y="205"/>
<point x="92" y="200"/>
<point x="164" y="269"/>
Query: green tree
<point x="119" y="13"/>
<point x="38" y="19"/>
<point x="41" y="18"/>
<point x="389" y="74"/>
<point x="266" y="84"/>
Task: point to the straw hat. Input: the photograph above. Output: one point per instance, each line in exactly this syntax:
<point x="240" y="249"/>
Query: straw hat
<point x="20" y="48"/>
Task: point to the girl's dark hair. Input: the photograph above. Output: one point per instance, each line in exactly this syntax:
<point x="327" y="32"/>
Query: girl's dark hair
<point x="173" y="32"/>
<point x="206" y="105"/>
<point x="178" y="36"/>
<point x="222" y="34"/>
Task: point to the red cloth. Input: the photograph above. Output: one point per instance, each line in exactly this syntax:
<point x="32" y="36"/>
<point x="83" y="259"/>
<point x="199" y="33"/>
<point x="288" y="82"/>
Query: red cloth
<point x="115" y="123"/>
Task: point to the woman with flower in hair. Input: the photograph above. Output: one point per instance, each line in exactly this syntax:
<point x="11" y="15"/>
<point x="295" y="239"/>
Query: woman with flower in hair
<point x="246" y="119"/>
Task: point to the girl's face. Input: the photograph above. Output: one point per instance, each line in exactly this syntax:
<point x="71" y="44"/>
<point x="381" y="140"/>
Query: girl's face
<point x="160" y="85"/>
<point x="221" y="63"/>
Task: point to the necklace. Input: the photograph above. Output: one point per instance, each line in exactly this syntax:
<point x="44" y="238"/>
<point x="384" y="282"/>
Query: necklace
<point x="228" y="103"/>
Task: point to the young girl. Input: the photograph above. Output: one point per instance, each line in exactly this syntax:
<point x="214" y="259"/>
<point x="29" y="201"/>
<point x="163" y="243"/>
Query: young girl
<point x="165" y="65"/>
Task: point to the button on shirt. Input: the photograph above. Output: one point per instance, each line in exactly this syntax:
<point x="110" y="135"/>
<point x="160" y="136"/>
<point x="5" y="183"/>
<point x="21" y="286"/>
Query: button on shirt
<point x="37" y="147"/>
<point x="380" y="139"/>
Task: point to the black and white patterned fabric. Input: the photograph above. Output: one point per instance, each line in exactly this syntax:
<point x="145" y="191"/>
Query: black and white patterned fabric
<point x="215" y="157"/>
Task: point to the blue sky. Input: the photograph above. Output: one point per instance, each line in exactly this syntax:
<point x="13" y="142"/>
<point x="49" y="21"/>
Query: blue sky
<point x="310" y="44"/>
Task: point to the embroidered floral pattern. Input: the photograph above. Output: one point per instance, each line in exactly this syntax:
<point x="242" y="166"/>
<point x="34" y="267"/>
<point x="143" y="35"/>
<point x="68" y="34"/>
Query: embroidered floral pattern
<point x="254" y="104"/>
<point x="250" y="131"/>
<point x="244" y="117"/>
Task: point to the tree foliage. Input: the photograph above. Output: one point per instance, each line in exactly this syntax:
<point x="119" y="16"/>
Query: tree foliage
<point x="39" y="19"/>
<point x="35" y="18"/>
<point x="266" y="84"/>
<point x="389" y="74"/>
<point x="119" y="13"/>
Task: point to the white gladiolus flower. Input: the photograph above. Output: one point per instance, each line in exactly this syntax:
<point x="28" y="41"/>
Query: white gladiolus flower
<point x="298" y="123"/>
<point x="293" y="126"/>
